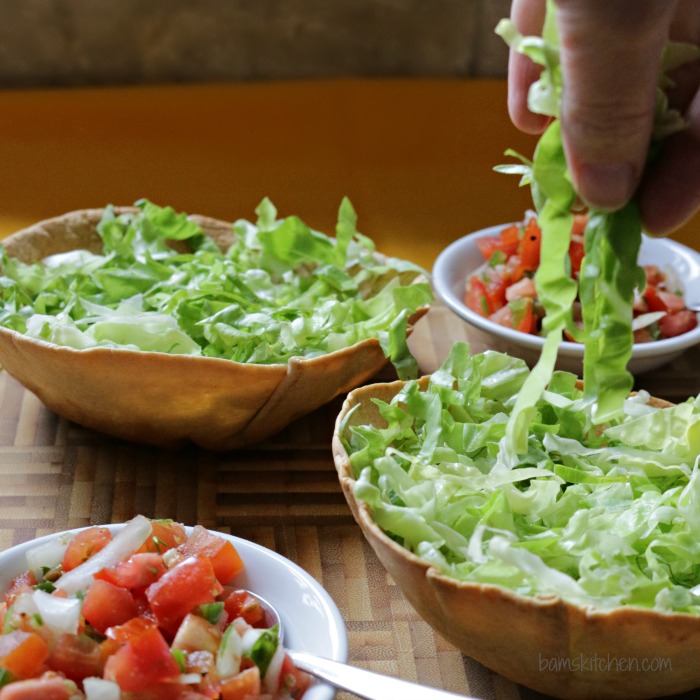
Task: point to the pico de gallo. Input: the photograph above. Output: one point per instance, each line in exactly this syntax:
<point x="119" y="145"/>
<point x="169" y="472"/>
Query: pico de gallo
<point x="148" y="613"/>
<point x="503" y="289"/>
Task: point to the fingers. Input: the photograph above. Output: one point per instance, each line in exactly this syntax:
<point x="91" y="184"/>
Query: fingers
<point x="528" y="17"/>
<point x="610" y="63"/>
<point x="670" y="192"/>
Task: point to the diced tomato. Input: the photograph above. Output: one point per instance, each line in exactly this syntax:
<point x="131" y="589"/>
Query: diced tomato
<point x="503" y="317"/>
<point x="642" y="335"/>
<point x="506" y="242"/>
<point x="651" y="297"/>
<point x="681" y="322"/>
<point x="476" y="297"/>
<point x="510" y="239"/>
<point x="654" y="275"/>
<point x="486" y="291"/>
<point x="513" y="270"/>
<point x="107" y="605"/>
<point x="84" y="545"/>
<point x="240" y="603"/>
<point x="195" y="634"/>
<point x="496" y="284"/>
<point x="223" y="555"/>
<point x="131" y="629"/>
<point x="639" y="305"/>
<point x="22" y="583"/>
<point x="576" y="253"/>
<point x="518" y="315"/>
<point x="523" y="288"/>
<point x="190" y="583"/>
<point x="488" y="245"/>
<point x="660" y="300"/>
<point x="138" y="571"/>
<point x="578" y="228"/>
<point x="22" y="653"/>
<point x="671" y="301"/>
<point x="292" y="680"/>
<point x="143" y="661"/>
<point x="76" y="657"/>
<point x="530" y="245"/>
<point x="46" y="688"/>
<point x="165" y="535"/>
<point x="242" y="686"/>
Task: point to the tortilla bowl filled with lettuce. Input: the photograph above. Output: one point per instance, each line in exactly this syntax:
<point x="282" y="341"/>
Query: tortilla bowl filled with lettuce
<point x="572" y="568"/>
<point x="168" y="329"/>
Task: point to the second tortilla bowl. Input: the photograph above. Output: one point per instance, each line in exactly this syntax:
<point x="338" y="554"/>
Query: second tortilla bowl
<point x="416" y="492"/>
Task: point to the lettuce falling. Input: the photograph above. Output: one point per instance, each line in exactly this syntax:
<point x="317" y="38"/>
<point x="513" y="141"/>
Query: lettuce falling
<point x="499" y="475"/>
<point x="609" y="271"/>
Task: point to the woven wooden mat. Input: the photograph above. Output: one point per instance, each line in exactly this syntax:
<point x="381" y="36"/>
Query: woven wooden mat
<point x="282" y="494"/>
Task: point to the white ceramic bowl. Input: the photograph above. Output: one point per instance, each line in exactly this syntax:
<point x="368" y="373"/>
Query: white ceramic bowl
<point x="311" y="620"/>
<point x="456" y="262"/>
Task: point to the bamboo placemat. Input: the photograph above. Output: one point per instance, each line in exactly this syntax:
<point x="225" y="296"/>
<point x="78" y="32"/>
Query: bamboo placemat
<point x="282" y="494"/>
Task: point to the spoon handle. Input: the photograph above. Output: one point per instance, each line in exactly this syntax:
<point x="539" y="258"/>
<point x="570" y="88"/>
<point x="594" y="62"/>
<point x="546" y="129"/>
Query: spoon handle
<point x="367" y="684"/>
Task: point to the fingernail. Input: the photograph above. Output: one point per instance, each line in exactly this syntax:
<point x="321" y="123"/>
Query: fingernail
<point x="607" y="186"/>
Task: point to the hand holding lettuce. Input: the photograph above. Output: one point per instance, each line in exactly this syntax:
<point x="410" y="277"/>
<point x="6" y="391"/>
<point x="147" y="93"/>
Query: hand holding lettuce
<point x="613" y="55"/>
<point x="499" y="475"/>
<point x="609" y="270"/>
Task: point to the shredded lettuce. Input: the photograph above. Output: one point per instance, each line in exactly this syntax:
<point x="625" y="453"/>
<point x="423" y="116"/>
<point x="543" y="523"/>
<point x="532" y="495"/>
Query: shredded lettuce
<point x="601" y="514"/>
<point x="497" y="474"/>
<point x="280" y="290"/>
<point x="609" y="271"/>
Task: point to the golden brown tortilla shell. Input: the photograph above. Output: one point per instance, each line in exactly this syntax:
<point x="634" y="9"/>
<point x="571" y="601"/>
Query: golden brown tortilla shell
<point x="170" y="400"/>
<point x="545" y="643"/>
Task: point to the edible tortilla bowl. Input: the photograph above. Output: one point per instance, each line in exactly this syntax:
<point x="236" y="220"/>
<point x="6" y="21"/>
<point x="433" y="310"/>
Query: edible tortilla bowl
<point x="170" y="400"/>
<point x="544" y="643"/>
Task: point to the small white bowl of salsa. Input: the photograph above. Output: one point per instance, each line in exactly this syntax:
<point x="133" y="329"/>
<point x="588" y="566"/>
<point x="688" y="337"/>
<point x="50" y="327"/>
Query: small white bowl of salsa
<point x="462" y="258"/>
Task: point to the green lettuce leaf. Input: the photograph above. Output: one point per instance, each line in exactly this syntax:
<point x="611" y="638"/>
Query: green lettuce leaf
<point x="609" y="271"/>
<point x="280" y="290"/>
<point x="601" y="514"/>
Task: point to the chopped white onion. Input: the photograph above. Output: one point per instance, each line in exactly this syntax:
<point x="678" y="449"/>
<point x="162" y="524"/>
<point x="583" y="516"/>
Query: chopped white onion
<point x="250" y="636"/>
<point x="228" y="660"/>
<point x="189" y="678"/>
<point x="638" y="404"/>
<point x="642" y="396"/>
<point x="25" y="605"/>
<point x="127" y="541"/>
<point x="100" y="689"/>
<point x="271" y="680"/>
<point x="59" y="614"/>
<point x="48" y="555"/>
<point x="171" y="557"/>
<point x="644" y="320"/>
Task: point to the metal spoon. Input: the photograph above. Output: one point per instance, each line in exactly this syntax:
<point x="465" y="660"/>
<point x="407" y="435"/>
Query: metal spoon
<point x="363" y="683"/>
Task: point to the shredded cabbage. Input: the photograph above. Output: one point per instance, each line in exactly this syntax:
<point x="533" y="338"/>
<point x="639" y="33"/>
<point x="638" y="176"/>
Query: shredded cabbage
<point x="280" y="290"/>
<point x="600" y="514"/>
<point x="609" y="271"/>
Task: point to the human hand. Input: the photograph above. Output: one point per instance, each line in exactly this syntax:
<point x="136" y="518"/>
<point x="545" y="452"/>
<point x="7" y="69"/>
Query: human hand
<point x="611" y="57"/>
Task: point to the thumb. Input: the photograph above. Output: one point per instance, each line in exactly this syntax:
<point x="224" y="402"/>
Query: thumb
<point x="610" y="59"/>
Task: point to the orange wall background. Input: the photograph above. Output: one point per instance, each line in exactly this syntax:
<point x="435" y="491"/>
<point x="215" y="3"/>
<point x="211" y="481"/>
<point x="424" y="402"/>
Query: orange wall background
<point x="414" y="156"/>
